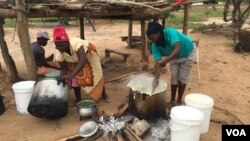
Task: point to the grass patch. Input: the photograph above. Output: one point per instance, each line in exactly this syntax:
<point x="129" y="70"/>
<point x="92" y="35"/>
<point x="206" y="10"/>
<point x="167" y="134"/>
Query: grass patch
<point x="207" y="12"/>
<point x="45" y="20"/>
<point x="197" y="15"/>
<point x="10" y="22"/>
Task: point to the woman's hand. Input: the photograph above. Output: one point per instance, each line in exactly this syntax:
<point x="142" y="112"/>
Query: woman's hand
<point x="67" y="78"/>
<point x="163" y="62"/>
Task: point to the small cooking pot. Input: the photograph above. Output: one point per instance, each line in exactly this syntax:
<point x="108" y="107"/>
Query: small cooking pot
<point x="86" y="108"/>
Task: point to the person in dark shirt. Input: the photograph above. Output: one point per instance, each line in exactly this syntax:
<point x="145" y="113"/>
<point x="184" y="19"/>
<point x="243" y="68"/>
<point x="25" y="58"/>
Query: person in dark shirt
<point x="43" y="64"/>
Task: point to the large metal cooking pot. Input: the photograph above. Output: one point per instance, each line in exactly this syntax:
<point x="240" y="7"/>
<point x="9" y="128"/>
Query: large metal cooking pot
<point x="49" y="100"/>
<point x="145" y="103"/>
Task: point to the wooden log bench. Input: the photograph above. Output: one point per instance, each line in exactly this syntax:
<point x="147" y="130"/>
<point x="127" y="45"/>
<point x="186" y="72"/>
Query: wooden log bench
<point x="108" y="51"/>
<point x="134" y="38"/>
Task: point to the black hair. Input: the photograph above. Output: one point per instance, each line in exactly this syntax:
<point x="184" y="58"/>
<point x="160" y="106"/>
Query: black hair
<point x="153" y="28"/>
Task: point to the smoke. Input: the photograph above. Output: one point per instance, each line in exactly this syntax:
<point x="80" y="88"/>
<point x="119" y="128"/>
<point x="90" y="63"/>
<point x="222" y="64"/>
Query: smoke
<point x="160" y="130"/>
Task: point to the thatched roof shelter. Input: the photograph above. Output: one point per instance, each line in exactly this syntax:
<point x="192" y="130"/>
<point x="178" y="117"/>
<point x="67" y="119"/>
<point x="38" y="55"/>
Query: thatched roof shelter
<point x="95" y="9"/>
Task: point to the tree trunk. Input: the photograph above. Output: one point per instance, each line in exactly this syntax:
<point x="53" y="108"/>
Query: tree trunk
<point x="130" y="33"/>
<point x="24" y="38"/>
<point x="226" y="10"/>
<point x="144" y="45"/>
<point x="236" y="13"/>
<point x="9" y="62"/>
<point x="82" y="28"/>
<point x="186" y="19"/>
<point x="244" y="39"/>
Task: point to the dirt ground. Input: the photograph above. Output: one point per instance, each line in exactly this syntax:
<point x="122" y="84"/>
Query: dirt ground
<point x="224" y="77"/>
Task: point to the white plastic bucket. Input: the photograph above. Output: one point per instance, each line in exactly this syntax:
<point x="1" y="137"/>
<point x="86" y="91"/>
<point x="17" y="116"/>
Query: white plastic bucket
<point x="23" y="91"/>
<point x="185" y="123"/>
<point x="203" y="103"/>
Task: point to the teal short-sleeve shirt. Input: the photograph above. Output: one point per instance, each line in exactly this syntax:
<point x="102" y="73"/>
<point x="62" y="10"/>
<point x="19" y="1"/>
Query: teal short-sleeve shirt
<point x="172" y="36"/>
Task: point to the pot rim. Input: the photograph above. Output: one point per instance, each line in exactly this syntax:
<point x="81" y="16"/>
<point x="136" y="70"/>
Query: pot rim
<point x="94" y="103"/>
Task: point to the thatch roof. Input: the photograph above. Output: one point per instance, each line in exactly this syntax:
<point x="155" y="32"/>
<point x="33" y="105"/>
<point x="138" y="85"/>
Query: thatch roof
<point x="112" y="9"/>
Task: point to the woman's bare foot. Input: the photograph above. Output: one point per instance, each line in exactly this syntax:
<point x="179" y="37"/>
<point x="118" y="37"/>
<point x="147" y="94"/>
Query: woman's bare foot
<point x="107" y="99"/>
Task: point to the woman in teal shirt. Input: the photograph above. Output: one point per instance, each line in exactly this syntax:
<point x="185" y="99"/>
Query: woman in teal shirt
<point x="170" y="45"/>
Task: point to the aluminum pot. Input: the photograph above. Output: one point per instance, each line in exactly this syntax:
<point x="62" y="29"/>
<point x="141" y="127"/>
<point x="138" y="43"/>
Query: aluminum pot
<point x="49" y="87"/>
<point x="49" y="100"/>
<point x="86" y="108"/>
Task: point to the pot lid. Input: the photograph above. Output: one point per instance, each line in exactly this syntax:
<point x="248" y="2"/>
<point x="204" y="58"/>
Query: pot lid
<point x="53" y="74"/>
<point x="88" y="129"/>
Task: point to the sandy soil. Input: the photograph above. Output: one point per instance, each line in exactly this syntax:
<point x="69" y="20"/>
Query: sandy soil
<point x="224" y="77"/>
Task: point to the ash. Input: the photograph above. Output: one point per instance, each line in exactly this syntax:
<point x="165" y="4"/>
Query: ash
<point x="111" y="125"/>
<point x="160" y="130"/>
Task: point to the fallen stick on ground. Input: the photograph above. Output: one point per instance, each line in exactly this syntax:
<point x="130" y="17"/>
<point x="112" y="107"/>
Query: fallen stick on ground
<point x="75" y="137"/>
<point x="94" y="137"/>
<point x="219" y="121"/>
<point x="228" y="112"/>
<point x="121" y="77"/>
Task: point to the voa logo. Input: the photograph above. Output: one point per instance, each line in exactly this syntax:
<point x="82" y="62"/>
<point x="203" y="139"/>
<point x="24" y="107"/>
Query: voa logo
<point x="236" y="132"/>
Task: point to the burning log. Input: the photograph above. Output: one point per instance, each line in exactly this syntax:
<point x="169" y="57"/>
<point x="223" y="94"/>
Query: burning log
<point x="99" y="113"/>
<point x="119" y="137"/>
<point x="110" y="137"/>
<point x="77" y="137"/>
<point x="96" y="136"/>
<point x="141" y="127"/>
<point x="133" y="133"/>
<point x="128" y="136"/>
<point x="71" y="138"/>
<point x="121" y="110"/>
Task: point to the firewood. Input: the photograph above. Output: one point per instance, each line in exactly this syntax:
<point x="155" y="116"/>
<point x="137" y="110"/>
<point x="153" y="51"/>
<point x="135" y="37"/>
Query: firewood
<point x="133" y="133"/>
<point x="141" y="127"/>
<point x="119" y="137"/>
<point x="99" y="113"/>
<point x="110" y="137"/>
<point x="128" y="136"/>
<point x="97" y="135"/>
<point x="121" y="110"/>
<point x="71" y="138"/>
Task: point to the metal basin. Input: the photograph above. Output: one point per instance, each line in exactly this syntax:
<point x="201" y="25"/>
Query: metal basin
<point x="86" y="108"/>
<point x="88" y="129"/>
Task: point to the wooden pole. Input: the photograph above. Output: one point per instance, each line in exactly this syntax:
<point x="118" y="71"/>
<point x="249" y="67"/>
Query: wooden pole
<point x="144" y="46"/>
<point x="9" y="62"/>
<point x="24" y="38"/>
<point x="130" y="33"/>
<point x="163" y="22"/>
<point x="186" y="19"/>
<point x="82" y="28"/>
